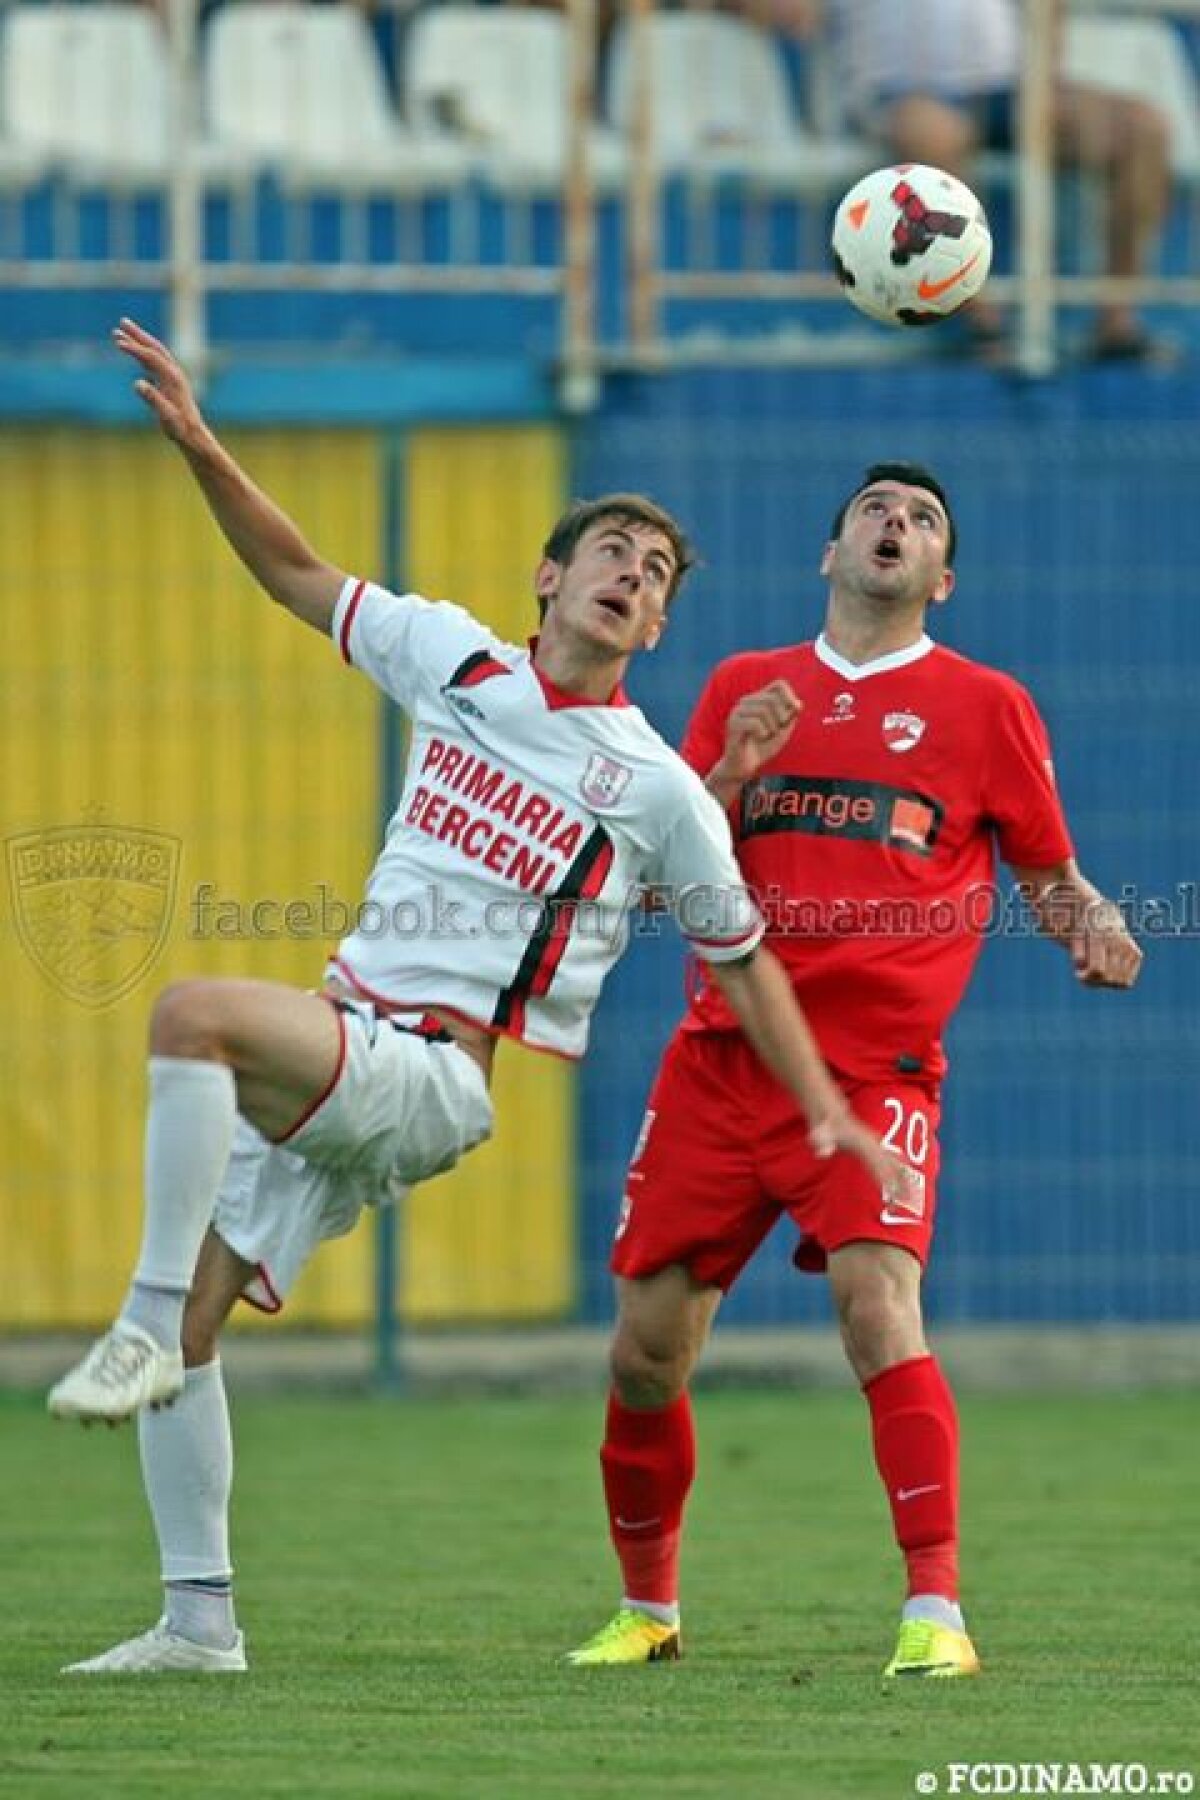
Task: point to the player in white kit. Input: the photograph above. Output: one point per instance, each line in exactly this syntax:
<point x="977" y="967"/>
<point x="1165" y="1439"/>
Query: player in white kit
<point x="538" y="807"/>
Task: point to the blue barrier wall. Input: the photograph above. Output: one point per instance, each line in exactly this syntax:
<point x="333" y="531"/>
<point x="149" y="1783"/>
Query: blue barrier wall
<point x="1070" y="1136"/>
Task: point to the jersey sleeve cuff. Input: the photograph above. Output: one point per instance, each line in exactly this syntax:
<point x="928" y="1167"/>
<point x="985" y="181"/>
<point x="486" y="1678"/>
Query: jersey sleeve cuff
<point x="344" y="614"/>
<point x="721" y="950"/>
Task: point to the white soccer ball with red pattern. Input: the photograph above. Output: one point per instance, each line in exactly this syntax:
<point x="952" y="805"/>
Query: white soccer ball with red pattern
<point x="911" y="244"/>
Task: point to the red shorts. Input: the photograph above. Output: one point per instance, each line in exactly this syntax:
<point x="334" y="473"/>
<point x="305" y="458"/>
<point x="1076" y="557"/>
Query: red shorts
<point x="723" y="1152"/>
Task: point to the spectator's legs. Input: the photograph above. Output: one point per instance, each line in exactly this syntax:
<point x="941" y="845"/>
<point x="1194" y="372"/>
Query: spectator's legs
<point x="1128" y="142"/>
<point x="921" y="129"/>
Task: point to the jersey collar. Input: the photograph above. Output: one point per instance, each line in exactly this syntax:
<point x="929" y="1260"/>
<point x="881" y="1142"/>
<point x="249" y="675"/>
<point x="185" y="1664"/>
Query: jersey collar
<point x="557" y="698"/>
<point x="896" y="659"/>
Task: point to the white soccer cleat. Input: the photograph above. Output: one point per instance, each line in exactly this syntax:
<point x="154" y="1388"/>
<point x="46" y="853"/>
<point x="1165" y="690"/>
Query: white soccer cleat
<point x="123" y="1371"/>
<point x="161" y="1652"/>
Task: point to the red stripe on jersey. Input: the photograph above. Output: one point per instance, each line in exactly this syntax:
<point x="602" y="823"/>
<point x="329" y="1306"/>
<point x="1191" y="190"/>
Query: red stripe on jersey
<point x="544" y="951"/>
<point x="348" y="620"/>
<point x="481" y="665"/>
<point x="563" y="922"/>
<point x="386" y="1005"/>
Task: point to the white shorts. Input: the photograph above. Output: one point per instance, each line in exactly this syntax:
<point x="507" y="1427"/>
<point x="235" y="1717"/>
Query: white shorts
<point x="401" y="1107"/>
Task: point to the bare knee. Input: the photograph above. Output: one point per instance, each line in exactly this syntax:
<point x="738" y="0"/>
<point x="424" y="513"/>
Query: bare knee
<point x="871" y="1323"/>
<point x="186" y="1021"/>
<point x="922" y="129"/>
<point x="662" y="1323"/>
<point x="649" y="1372"/>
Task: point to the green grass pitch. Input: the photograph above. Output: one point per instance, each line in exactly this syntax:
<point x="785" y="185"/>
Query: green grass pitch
<point x="411" y="1571"/>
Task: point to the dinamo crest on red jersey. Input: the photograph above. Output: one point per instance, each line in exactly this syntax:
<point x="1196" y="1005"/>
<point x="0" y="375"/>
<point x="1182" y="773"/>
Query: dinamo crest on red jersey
<point x="604" y="781"/>
<point x="901" y="730"/>
<point x="92" y="905"/>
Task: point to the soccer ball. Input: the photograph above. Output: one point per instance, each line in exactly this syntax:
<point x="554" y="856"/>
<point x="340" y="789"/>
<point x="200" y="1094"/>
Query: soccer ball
<point x="911" y="244"/>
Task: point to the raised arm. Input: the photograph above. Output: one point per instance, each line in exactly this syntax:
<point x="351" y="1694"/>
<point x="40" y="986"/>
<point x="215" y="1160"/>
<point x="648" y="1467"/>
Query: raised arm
<point x="272" y="548"/>
<point x="757" y="728"/>
<point x="1073" y="913"/>
<point x="758" y="990"/>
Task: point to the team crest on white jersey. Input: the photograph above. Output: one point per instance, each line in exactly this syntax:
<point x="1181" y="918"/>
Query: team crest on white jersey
<point x="901" y="730"/>
<point x="93" y="905"/>
<point x="604" y="781"/>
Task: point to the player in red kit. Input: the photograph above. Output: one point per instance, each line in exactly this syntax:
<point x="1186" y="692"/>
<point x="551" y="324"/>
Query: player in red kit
<point x="870" y="777"/>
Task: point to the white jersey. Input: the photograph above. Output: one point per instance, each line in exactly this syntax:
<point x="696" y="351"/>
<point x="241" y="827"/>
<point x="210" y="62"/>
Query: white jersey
<point x="528" y="825"/>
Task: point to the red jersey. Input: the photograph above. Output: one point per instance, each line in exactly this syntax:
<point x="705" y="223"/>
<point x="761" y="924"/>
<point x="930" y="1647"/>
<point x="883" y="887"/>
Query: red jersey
<point x="870" y="839"/>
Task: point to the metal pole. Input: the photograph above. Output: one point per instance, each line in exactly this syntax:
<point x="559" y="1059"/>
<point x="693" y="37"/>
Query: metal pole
<point x="642" y="212"/>
<point x="578" y="389"/>
<point x="1035" y="191"/>
<point x="388" y="1371"/>
<point x="186" y="328"/>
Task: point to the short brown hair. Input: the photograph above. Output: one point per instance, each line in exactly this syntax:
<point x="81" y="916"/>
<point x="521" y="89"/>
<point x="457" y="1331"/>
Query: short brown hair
<point x="623" y="509"/>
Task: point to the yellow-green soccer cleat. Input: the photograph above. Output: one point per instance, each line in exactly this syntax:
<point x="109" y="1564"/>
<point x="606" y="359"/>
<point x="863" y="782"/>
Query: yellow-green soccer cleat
<point x="630" y="1637"/>
<point x="931" y="1651"/>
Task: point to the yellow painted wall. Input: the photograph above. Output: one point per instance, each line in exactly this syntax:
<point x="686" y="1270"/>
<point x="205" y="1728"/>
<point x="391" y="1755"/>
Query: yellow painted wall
<point x="495" y="1238"/>
<point x="148" y="684"/>
<point x="156" y="708"/>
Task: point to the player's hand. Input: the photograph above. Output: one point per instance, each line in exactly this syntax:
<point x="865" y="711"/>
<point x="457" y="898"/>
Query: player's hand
<point x="843" y="1131"/>
<point x="1102" y="951"/>
<point x="164" y="386"/>
<point x="1089" y="927"/>
<point x="756" y="730"/>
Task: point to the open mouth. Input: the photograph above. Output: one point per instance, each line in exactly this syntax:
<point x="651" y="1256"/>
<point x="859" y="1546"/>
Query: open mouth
<point x="614" y="603"/>
<point x="888" y="550"/>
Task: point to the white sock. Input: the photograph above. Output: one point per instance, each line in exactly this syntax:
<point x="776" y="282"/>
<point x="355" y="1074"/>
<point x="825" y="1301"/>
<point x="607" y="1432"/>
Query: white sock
<point x="187" y="1469"/>
<point x="189" y="1131"/>
<point x="935" y="1608"/>
<point x="202" y="1611"/>
<point x="666" y="1613"/>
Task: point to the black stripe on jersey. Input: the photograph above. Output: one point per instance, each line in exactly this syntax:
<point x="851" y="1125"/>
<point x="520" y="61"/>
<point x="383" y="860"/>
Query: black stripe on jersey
<point x="544" y="951"/>
<point x="481" y="665"/>
<point x="832" y="806"/>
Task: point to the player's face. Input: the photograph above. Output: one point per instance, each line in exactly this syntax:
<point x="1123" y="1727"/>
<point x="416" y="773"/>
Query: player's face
<point x="613" y="593"/>
<point x="892" y="547"/>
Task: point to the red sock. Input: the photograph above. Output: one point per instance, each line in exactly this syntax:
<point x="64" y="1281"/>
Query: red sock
<point x="648" y="1460"/>
<point x="915" y="1428"/>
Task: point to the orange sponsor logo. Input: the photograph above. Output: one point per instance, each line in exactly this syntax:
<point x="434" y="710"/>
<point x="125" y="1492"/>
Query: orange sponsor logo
<point x="930" y="290"/>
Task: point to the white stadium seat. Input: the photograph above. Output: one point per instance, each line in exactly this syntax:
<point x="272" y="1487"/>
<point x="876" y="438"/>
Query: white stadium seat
<point x="86" y="92"/>
<point x="498" y="77"/>
<point x="20" y="165"/>
<point x="301" y="90"/>
<point x="722" y="103"/>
